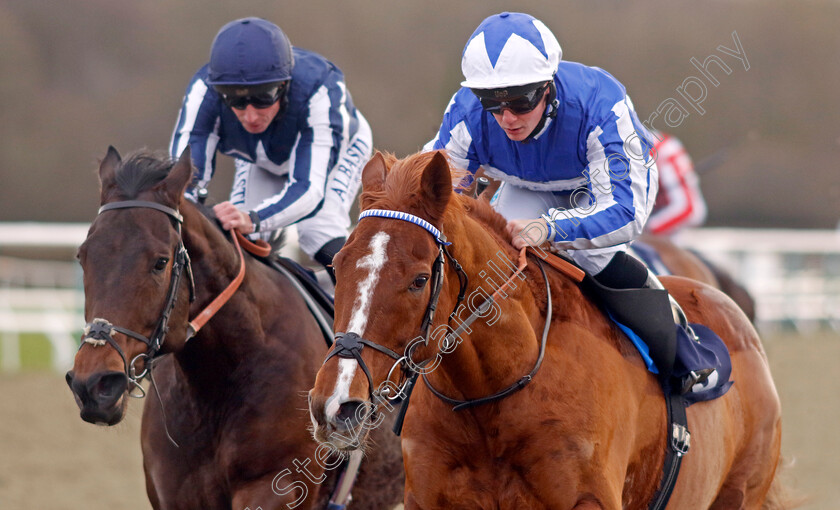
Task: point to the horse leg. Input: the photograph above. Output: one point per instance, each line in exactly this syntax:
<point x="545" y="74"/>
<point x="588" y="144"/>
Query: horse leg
<point x="729" y="498"/>
<point x="151" y="493"/>
<point x="748" y="487"/>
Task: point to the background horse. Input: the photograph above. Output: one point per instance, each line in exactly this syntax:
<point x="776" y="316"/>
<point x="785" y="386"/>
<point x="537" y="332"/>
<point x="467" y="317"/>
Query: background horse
<point x="232" y="396"/>
<point x="682" y="262"/>
<point x="588" y="432"/>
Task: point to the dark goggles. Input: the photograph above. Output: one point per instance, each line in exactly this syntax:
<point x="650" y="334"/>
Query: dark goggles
<point x="518" y="105"/>
<point x="258" y="99"/>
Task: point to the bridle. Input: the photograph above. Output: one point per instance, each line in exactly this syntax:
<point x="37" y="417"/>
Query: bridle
<point x="100" y="331"/>
<point x="349" y="345"/>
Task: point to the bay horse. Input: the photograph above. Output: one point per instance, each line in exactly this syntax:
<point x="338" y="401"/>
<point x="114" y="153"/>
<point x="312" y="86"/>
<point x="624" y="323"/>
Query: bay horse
<point x="588" y="432"/>
<point x="225" y="424"/>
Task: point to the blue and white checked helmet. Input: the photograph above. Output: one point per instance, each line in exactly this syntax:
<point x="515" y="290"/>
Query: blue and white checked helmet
<point x="510" y="49"/>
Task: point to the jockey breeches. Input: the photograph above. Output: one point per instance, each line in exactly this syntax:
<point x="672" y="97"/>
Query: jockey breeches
<point x="253" y="185"/>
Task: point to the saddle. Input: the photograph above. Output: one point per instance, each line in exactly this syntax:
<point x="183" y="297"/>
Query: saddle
<point x="670" y="356"/>
<point x="320" y="304"/>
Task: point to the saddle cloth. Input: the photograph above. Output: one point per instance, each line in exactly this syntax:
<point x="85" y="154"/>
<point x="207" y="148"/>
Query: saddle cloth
<point x="708" y="352"/>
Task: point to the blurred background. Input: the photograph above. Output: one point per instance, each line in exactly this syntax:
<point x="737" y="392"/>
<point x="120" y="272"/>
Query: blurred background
<point x="80" y="75"/>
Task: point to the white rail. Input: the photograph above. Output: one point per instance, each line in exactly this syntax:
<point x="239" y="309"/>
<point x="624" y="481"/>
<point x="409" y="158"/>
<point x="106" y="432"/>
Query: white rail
<point x="793" y="275"/>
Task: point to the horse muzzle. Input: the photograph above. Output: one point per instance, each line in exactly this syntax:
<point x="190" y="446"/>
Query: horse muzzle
<point x="100" y="397"/>
<point x="344" y="426"/>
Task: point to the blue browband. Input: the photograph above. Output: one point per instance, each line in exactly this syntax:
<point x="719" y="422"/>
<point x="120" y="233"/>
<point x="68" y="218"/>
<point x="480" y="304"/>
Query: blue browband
<point x="420" y="222"/>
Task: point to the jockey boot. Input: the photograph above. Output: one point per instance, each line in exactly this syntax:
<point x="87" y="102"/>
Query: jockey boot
<point x="693" y="377"/>
<point x="636" y="299"/>
<point x="327" y="252"/>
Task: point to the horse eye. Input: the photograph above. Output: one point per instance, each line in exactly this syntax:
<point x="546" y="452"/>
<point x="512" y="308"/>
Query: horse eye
<point x="419" y="283"/>
<point x="160" y="264"/>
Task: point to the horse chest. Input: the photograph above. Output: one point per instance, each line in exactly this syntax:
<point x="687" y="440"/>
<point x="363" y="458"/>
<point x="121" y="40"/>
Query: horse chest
<point x="503" y="474"/>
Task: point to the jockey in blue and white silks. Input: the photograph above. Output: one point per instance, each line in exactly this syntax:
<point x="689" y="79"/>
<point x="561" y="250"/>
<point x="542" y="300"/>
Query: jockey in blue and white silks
<point x="574" y="161"/>
<point x="581" y="167"/>
<point x="286" y="117"/>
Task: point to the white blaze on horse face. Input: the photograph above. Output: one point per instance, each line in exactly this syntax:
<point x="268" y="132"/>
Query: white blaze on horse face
<point x="346" y="371"/>
<point x="373" y="262"/>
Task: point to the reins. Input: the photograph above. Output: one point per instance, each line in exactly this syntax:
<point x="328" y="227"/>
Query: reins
<point x="260" y="249"/>
<point x="521" y="382"/>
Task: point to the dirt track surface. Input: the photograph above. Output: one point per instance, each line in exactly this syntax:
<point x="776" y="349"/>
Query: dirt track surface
<point x="49" y="458"/>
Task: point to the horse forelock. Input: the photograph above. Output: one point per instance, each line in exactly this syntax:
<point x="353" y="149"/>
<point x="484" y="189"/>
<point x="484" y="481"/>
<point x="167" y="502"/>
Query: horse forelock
<point x="140" y="171"/>
<point x="402" y="191"/>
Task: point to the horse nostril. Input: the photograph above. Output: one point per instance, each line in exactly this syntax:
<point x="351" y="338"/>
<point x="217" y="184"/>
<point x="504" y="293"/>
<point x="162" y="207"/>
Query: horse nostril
<point x="351" y="412"/>
<point x="108" y="388"/>
<point x="69" y="378"/>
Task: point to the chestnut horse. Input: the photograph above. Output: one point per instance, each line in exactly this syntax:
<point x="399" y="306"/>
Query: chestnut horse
<point x="588" y="432"/>
<point x="231" y="398"/>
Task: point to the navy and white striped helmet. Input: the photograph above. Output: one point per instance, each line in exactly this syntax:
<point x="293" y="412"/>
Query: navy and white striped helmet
<point x="510" y="49"/>
<point x="250" y="51"/>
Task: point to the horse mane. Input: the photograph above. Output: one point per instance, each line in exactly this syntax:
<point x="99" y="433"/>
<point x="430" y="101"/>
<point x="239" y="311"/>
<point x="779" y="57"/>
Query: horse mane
<point x="141" y="170"/>
<point x="144" y="168"/>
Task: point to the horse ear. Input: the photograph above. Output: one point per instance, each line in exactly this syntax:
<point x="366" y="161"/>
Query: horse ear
<point x="373" y="175"/>
<point x="436" y="185"/>
<point x="107" y="171"/>
<point x="109" y="164"/>
<point x="179" y="177"/>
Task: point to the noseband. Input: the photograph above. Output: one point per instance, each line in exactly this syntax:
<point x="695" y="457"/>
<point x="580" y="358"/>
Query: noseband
<point x="100" y="331"/>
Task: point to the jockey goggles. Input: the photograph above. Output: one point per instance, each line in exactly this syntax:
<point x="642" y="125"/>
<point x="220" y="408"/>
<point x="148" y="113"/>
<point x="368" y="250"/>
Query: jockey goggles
<point x="240" y="97"/>
<point x="521" y="103"/>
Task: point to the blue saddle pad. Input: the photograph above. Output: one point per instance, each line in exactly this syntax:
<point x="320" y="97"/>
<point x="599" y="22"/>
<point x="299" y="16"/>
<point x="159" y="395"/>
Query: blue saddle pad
<point x="709" y="352"/>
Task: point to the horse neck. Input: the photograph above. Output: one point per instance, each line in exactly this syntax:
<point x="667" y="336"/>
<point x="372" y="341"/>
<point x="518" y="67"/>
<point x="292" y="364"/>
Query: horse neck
<point x="215" y="264"/>
<point x="505" y="340"/>
<point x="252" y="333"/>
